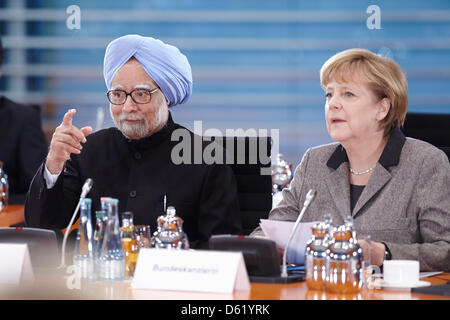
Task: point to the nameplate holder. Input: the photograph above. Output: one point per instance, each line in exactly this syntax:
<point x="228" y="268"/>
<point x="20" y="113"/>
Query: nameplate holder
<point x="15" y="264"/>
<point x="190" y="270"/>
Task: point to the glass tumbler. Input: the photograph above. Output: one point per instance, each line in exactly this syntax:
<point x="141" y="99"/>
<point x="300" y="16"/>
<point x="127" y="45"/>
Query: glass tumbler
<point x="143" y="236"/>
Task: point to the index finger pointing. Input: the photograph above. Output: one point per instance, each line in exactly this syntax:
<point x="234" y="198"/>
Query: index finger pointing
<point x="67" y="120"/>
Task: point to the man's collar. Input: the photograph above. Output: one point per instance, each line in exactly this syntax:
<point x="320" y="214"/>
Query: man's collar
<point x="389" y="157"/>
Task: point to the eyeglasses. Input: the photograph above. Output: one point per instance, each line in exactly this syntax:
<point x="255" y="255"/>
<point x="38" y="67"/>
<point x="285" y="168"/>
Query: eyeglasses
<point x="139" y="96"/>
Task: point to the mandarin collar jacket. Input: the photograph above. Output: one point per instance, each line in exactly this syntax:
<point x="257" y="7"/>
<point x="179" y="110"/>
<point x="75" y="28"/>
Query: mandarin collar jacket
<point x="140" y="173"/>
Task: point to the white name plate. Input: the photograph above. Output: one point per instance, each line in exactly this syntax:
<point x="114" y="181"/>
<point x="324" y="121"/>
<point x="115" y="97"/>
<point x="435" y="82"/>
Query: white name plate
<point x="15" y="264"/>
<point x="190" y="270"/>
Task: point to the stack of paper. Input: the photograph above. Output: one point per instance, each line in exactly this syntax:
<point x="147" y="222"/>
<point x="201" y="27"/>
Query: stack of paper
<point x="279" y="231"/>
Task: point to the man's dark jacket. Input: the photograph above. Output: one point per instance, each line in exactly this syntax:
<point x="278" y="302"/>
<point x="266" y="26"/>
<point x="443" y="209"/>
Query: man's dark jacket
<point x="22" y="145"/>
<point x="139" y="173"/>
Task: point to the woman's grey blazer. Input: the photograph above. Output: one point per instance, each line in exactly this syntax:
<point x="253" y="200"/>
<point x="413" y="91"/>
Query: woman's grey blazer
<point x="406" y="203"/>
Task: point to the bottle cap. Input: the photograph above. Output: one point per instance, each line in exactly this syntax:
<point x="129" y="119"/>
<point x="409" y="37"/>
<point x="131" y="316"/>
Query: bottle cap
<point x="100" y="213"/>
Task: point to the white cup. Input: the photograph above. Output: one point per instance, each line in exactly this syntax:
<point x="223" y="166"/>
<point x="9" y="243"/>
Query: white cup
<point x="401" y="272"/>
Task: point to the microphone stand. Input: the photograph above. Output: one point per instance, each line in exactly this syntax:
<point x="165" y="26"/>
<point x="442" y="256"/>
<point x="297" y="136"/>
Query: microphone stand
<point x="283" y="276"/>
<point x="309" y="197"/>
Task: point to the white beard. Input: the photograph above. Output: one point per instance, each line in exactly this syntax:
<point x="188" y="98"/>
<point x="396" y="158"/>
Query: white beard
<point x="138" y="130"/>
<point x="143" y="128"/>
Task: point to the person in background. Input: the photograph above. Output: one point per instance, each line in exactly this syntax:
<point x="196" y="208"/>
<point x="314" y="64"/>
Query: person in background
<point x="133" y="161"/>
<point x="395" y="188"/>
<point x="23" y="146"/>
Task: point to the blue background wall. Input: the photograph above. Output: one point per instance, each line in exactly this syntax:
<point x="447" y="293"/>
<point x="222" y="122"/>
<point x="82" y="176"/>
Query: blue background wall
<point x="255" y="63"/>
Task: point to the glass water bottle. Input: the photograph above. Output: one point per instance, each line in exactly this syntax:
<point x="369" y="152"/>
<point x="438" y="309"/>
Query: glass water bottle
<point x="104" y="203"/>
<point x="100" y="226"/>
<point x="112" y="259"/>
<point x="83" y="257"/>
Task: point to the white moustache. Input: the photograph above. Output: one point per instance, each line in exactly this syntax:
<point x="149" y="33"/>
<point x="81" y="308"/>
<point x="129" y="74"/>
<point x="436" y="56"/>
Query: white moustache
<point x="130" y="117"/>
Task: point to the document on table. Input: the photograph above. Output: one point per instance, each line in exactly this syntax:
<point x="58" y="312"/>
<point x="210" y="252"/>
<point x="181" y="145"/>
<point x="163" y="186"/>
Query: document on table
<point x="279" y="231"/>
<point x="429" y="274"/>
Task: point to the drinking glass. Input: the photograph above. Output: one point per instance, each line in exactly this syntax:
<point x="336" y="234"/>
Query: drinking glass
<point x="370" y="271"/>
<point x="143" y="236"/>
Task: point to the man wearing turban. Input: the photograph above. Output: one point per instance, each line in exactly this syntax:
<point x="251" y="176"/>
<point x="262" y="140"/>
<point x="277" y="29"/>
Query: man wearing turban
<point x="132" y="161"/>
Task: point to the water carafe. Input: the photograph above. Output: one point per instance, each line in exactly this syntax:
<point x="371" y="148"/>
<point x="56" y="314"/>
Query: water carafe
<point x="83" y="257"/>
<point x="112" y="260"/>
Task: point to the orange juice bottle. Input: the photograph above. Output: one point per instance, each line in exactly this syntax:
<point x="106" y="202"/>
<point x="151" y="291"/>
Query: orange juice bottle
<point x="131" y="253"/>
<point x="315" y="257"/>
<point x="344" y="261"/>
<point x="130" y="247"/>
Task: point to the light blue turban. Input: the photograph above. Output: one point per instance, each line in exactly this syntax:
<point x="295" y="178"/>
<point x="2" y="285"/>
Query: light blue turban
<point x="164" y="63"/>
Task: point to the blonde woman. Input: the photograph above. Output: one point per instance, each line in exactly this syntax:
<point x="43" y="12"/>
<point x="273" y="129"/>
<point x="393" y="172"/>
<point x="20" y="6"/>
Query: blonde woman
<point x="397" y="189"/>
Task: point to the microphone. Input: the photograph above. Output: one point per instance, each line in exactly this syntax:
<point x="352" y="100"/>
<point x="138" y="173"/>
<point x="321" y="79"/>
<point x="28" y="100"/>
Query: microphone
<point x="261" y="256"/>
<point x="87" y="186"/>
<point x="309" y="198"/>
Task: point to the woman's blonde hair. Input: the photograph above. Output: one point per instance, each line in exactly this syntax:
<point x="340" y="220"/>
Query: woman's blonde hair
<point x="383" y="75"/>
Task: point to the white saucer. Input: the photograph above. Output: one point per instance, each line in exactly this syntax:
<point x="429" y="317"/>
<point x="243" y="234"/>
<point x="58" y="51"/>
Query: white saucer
<point x="392" y="286"/>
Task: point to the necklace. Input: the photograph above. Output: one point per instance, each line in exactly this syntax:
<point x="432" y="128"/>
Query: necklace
<point x="362" y="172"/>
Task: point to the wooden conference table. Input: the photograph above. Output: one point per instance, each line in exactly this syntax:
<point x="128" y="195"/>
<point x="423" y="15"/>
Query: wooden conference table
<point x="14" y="214"/>
<point x="11" y="214"/>
<point x="56" y="286"/>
